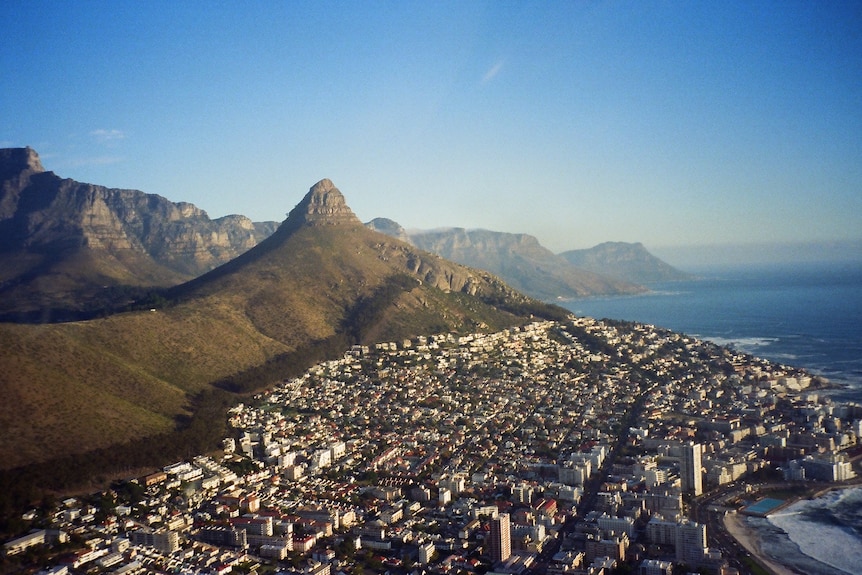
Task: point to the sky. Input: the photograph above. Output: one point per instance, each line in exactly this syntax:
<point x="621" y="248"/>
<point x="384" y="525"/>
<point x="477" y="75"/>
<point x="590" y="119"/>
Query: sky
<point x="675" y="124"/>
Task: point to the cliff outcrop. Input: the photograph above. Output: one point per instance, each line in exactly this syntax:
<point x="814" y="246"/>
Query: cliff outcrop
<point x="83" y="238"/>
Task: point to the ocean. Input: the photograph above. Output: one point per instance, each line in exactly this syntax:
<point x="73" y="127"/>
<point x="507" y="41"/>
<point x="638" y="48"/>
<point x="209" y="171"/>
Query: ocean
<point x="821" y="536"/>
<point x="808" y="315"/>
<point x="805" y="315"/>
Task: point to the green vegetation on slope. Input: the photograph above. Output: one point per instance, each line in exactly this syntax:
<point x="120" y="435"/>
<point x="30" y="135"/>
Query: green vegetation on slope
<point x="152" y="385"/>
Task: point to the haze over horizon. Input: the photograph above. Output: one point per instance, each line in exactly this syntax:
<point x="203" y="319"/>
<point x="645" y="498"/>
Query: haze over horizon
<point x="672" y="124"/>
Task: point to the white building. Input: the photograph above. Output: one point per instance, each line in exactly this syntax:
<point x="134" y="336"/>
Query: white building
<point x="691" y="468"/>
<point x="690" y="542"/>
<point x="831" y="467"/>
<point x="500" y="538"/>
<point x="426" y="552"/>
<point x="655" y="567"/>
<point x="617" y="525"/>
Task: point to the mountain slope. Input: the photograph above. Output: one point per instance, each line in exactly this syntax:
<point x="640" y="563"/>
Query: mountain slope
<point x="72" y="246"/>
<point x="625" y="261"/>
<point x="322" y="261"/>
<point x="321" y="282"/>
<point x="521" y="261"/>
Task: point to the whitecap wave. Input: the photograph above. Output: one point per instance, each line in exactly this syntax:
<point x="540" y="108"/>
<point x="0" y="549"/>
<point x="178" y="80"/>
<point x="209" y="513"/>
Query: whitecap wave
<point x="666" y="293"/>
<point x="742" y="343"/>
<point x="786" y="356"/>
<point x="826" y="528"/>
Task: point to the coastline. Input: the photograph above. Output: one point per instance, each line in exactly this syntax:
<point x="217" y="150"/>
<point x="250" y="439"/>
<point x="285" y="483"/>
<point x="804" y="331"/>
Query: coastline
<point x="734" y="524"/>
<point x="755" y="541"/>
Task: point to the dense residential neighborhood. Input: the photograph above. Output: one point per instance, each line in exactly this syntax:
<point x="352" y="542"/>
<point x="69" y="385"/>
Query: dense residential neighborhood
<point x="568" y="448"/>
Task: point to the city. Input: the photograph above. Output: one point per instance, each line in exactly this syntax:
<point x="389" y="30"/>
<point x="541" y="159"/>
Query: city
<point x="579" y="447"/>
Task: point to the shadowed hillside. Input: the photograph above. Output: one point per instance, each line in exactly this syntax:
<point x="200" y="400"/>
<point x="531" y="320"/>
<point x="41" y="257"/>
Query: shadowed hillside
<point x="320" y="283"/>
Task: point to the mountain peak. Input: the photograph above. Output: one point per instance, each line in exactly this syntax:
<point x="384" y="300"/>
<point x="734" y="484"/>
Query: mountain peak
<point x="323" y="186"/>
<point x="17" y="160"/>
<point x="323" y="205"/>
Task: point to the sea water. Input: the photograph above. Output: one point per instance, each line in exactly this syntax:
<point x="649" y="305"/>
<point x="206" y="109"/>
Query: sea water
<point x="827" y="529"/>
<point x="808" y="316"/>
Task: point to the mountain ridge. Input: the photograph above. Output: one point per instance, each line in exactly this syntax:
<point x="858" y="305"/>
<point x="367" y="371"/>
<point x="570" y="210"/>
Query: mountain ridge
<point x="519" y="259"/>
<point x="610" y="268"/>
<point x="70" y="250"/>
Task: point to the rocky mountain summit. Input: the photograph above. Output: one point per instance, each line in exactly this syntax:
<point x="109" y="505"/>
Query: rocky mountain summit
<point x="18" y="164"/>
<point x="64" y="243"/>
<point x="324" y="204"/>
<point x="69" y="248"/>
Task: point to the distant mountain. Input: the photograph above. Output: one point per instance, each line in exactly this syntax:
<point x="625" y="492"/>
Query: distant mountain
<point x="390" y="228"/>
<point x="519" y="259"/>
<point x="625" y="261"/>
<point x="67" y="245"/>
<point x="320" y="283"/>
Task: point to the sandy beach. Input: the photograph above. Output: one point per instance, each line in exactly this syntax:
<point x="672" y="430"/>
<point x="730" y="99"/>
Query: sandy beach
<point x="734" y="523"/>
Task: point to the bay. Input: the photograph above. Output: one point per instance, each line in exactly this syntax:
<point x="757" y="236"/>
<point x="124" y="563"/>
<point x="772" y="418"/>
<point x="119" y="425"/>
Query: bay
<point x="805" y="315"/>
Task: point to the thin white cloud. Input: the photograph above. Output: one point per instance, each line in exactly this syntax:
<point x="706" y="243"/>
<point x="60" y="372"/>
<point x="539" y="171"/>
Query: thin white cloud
<point x="106" y="136"/>
<point x="492" y="72"/>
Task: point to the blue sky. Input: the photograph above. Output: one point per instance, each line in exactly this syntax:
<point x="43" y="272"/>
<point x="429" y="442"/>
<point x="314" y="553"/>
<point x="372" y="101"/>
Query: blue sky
<point x="670" y="123"/>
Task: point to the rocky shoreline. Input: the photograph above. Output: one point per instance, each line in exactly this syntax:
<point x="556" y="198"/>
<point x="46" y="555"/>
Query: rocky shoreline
<point x="751" y="539"/>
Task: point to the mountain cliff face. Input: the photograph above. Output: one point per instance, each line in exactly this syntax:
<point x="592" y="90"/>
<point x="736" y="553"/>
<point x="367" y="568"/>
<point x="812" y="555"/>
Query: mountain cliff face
<point x="323" y="205"/>
<point x="63" y="242"/>
<point x="519" y="259"/>
<point x="625" y="261"/>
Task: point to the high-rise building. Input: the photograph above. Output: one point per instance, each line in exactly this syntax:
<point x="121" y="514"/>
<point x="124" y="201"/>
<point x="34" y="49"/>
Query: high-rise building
<point x="500" y="538"/>
<point x="426" y="552"/>
<point x="690" y="466"/>
<point x="690" y="542"/>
